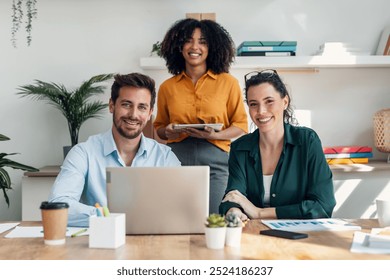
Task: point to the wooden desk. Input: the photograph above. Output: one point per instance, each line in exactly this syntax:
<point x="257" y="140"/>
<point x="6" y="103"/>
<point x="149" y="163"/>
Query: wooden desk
<point x="319" y="246"/>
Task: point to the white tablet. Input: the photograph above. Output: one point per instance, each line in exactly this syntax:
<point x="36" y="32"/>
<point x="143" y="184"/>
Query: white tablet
<point x="215" y="126"/>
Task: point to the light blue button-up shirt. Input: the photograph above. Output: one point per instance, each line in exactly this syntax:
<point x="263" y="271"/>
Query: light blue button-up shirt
<point x="82" y="179"/>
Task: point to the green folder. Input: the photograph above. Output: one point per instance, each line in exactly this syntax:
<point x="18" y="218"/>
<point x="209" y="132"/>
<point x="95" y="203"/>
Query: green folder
<point x="266" y="43"/>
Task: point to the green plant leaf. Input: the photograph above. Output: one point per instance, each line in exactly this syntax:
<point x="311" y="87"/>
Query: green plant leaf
<point x="2" y="155"/>
<point x="156" y="48"/>
<point x="215" y="220"/>
<point x="5" y="180"/>
<point x="73" y="104"/>
<point x="4" y="138"/>
<point x="17" y="18"/>
<point x="5" y="183"/>
<point x="4" y="162"/>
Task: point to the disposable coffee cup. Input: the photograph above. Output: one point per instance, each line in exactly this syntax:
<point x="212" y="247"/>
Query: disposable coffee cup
<point x="54" y="221"/>
<point x="383" y="211"/>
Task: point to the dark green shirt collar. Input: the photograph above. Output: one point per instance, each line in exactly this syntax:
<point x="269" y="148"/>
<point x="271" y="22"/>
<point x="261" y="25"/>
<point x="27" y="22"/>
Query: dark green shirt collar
<point x="251" y="143"/>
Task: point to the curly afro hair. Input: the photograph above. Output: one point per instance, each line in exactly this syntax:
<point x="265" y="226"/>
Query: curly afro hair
<point x="220" y="44"/>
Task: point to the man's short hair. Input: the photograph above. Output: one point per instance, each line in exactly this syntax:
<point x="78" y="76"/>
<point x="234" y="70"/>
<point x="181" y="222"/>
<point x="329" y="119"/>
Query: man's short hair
<point x="136" y="80"/>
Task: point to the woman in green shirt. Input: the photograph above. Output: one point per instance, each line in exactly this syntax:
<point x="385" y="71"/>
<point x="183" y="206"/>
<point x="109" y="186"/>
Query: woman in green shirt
<point x="279" y="170"/>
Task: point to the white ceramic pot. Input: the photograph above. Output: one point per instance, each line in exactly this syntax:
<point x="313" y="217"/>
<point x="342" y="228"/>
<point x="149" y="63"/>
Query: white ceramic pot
<point x="233" y="236"/>
<point x="215" y="237"/>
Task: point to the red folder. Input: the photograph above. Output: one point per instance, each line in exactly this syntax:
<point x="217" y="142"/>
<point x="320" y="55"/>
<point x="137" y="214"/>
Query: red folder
<point x="347" y="149"/>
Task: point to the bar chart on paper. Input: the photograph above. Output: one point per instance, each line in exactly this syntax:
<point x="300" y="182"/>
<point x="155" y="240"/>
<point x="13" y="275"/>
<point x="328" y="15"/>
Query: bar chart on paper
<point x="310" y="225"/>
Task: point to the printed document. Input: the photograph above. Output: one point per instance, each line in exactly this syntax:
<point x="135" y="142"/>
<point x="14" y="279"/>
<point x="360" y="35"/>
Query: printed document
<point x="7" y="226"/>
<point x="361" y="243"/>
<point x="32" y="232"/>
<point x="310" y="225"/>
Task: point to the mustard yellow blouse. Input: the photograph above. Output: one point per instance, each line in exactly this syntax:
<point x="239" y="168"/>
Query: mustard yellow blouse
<point x="215" y="98"/>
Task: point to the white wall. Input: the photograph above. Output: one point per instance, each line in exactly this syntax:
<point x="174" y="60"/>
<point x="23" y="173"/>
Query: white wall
<point x="73" y="40"/>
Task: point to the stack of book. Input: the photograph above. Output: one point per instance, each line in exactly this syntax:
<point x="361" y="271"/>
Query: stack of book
<point x="347" y="154"/>
<point x="267" y="48"/>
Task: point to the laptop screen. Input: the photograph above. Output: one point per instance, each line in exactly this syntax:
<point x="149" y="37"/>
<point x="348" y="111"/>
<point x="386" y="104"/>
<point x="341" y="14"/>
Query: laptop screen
<point x="160" y="200"/>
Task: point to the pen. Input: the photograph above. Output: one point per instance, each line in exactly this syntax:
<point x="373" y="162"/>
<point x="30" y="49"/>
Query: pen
<point x="79" y="232"/>
<point x="99" y="210"/>
<point x="106" y="212"/>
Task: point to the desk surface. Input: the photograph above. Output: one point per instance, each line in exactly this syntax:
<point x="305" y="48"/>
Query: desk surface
<point x="46" y="171"/>
<point x="319" y="246"/>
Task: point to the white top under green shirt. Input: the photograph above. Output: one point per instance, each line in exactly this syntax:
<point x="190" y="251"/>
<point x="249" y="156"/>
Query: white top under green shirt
<point x="267" y="179"/>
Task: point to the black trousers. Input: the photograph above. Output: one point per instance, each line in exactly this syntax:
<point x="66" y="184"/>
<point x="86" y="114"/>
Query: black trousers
<point x="194" y="151"/>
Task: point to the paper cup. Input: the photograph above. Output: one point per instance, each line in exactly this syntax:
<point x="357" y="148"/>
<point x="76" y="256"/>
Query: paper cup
<point x="54" y="221"/>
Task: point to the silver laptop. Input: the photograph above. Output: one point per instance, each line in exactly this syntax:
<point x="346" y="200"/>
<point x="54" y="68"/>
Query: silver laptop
<point x="160" y="200"/>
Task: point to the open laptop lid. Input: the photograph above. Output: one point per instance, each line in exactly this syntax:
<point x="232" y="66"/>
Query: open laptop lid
<point x="160" y="200"/>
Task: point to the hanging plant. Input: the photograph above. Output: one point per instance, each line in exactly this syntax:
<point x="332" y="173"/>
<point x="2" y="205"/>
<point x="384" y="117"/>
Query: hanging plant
<point x="17" y="18"/>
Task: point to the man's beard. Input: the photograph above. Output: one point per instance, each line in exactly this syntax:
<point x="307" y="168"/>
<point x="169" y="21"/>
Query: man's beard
<point x="125" y="133"/>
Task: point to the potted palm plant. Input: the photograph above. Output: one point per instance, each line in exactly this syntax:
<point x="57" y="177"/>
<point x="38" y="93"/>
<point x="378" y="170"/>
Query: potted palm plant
<point x="73" y="104"/>
<point x="5" y="180"/>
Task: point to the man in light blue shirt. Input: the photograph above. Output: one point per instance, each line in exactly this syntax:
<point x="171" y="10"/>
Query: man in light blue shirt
<point x="82" y="179"/>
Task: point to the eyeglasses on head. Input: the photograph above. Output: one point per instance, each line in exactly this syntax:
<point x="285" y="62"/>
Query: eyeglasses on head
<point x="266" y="73"/>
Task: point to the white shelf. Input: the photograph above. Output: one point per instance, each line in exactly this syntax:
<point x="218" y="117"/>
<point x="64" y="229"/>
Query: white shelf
<point x="371" y="166"/>
<point x="152" y="63"/>
<point x="292" y="62"/>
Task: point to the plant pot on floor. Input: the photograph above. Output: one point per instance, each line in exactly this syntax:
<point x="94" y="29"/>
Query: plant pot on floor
<point x="66" y="150"/>
<point x="215" y="237"/>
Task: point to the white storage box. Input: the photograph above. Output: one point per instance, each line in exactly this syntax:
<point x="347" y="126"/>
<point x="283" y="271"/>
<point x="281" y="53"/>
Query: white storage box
<point x="107" y="232"/>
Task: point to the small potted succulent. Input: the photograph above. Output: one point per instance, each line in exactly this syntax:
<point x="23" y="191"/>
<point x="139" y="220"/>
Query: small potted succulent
<point x="215" y="231"/>
<point x="233" y="230"/>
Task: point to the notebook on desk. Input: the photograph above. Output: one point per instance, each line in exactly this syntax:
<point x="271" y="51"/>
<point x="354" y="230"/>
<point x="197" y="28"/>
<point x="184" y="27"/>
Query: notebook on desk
<point x="160" y="200"/>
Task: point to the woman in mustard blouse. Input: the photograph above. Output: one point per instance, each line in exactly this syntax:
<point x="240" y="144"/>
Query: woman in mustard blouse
<point x="199" y="54"/>
<point x="279" y="170"/>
